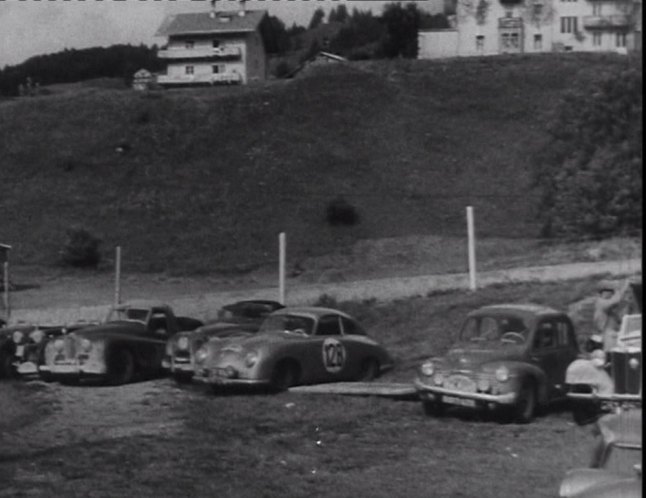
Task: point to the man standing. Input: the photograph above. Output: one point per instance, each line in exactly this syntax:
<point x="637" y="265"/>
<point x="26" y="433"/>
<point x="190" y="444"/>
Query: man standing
<point x="608" y="311"/>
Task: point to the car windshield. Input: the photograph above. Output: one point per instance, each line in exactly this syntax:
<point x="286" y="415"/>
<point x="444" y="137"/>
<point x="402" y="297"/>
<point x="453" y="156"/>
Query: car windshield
<point x="128" y="314"/>
<point x="288" y="323"/>
<point x="499" y="329"/>
<point x="622" y="459"/>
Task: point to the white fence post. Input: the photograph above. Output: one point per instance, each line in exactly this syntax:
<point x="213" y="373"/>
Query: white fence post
<point x="281" y="267"/>
<point x="472" y="248"/>
<point x="117" y="277"/>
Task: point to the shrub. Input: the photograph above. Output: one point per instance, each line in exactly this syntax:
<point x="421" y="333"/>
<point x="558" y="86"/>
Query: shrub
<point x="341" y="212"/>
<point x="81" y="249"/>
<point x="283" y="69"/>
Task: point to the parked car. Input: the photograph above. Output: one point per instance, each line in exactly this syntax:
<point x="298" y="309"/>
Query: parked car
<point x="8" y="348"/>
<point x="615" y="470"/>
<point x="129" y="344"/>
<point x="295" y="345"/>
<point x="509" y="357"/>
<point x="239" y="318"/>
<point x="599" y="382"/>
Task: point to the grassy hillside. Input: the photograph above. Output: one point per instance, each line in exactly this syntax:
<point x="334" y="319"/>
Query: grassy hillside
<point x="208" y="177"/>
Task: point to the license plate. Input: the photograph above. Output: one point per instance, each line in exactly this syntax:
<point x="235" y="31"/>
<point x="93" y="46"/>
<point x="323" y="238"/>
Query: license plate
<point x="20" y="350"/>
<point x="452" y="400"/>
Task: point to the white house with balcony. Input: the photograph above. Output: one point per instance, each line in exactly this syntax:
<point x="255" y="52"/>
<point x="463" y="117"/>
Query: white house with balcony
<point x="209" y="48"/>
<point x="490" y="27"/>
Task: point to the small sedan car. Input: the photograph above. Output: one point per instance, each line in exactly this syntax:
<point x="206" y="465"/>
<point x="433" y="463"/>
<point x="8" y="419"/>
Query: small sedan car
<point x="295" y="345"/>
<point x="615" y="470"/>
<point x="509" y="357"/>
<point x="239" y="318"/>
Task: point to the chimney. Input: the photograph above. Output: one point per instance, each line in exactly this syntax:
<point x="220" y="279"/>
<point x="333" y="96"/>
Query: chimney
<point x="212" y="13"/>
<point x="242" y="10"/>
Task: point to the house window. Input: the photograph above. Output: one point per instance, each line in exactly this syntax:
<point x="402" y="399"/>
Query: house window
<point x="620" y="39"/>
<point x="480" y="43"/>
<point x="189" y="44"/>
<point x="218" y="68"/>
<point x="569" y="24"/>
<point x="596" y="39"/>
<point x="596" y="9"/>
<point x="189" y="69"/>
<point x="216" y="43"/>
<point x="538" y="42"/>
<point x="509" y="13"/>
<point x="514" y="40"/>
<point x="538" y="9"/>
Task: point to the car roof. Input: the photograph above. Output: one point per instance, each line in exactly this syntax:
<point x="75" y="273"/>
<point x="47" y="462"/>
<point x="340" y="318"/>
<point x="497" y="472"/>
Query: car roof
<point x="312" y="311"/>
<point x="524" y="310"/>
<point x="623" y="428"/>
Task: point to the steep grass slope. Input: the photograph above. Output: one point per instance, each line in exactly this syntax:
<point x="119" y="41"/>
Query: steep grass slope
<point x="206" y="178"/>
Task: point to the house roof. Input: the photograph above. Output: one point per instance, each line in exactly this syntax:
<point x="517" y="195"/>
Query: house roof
<point x="205" y="23"/>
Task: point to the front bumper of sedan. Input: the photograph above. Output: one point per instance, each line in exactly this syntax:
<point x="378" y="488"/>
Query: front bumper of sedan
<point x="452" y="396"/>
<point x="74" y="368"/>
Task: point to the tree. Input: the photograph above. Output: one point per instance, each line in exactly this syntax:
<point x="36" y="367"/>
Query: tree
<point x="402" y="24"/>
<point x="274" y="35"/>
<point x="591" y="170"/>
<point x="339" y="14"/>
<point x="317" y="18"/>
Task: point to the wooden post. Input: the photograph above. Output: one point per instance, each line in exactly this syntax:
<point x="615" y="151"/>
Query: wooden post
<point x="117" y="276"/>
<point x="472" y="248"/>
<point x="5" y="279"/>
<point x="281" y="267"/>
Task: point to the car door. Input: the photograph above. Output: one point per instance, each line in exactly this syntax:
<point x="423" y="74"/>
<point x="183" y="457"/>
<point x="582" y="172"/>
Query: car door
<point x="545" y="352"/>
<point x="332" y="357"/>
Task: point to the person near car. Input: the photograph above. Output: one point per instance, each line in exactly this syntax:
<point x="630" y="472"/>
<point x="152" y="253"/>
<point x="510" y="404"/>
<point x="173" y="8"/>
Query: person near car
<point x="609" y="309"/>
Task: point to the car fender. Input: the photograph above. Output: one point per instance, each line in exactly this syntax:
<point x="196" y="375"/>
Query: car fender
<point x="583" y="371"/>
<point x="520" y="371"/>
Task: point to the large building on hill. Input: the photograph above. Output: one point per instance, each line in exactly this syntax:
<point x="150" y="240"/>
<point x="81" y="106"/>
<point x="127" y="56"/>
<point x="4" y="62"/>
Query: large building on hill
<point x="490" y="27"/>
<point x="212" y="47"/>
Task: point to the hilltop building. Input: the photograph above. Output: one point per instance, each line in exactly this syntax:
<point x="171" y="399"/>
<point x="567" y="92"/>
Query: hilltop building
<point x="208" y="48"/>
<point x="490" y="27"/>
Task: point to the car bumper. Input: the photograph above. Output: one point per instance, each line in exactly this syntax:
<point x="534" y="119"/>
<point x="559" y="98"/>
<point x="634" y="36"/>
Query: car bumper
<point x="73" y="369"/>
<point x="27" y="368"/>
<point x="435" y="393"/>
<point x="611" y="398"/>
<point x="214" y="378"/>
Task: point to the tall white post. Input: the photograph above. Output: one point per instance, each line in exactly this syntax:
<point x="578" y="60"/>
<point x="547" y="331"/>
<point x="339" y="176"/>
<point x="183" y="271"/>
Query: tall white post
<point x="472" y="248"/>
<point x="281" y="267"/>
<point x="117" y="276"/>
<point x="5" y="283"/>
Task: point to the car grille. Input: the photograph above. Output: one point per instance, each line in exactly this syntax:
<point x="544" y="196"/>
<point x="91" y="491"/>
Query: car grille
<point x="69" y="349"/>
<point x="460" y="383"/>
<point x="627" y="378"/>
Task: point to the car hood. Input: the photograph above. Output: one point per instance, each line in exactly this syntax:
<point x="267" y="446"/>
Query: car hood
<point x="580" y="482"/>
<point x="252" y="341"/>
<point x="111" y="329"/>
<point x="469" y="357"/>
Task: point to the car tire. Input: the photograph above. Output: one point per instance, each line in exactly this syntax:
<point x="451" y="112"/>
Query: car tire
<point x="182" y="378"/>
<point x="433" y="408"/>
<point x="285" y="376"/>
<point x="121" y="367"/>
<point x="525" y="408"/>
<point x="7" y="370"/>
<point x="585" y="413"/>
<point x="369" y="370"/>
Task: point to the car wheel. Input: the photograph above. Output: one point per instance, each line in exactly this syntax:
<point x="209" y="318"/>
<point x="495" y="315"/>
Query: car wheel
<point x="121" y="367"/>
<point x="525" y="407"/>
<point x="284" y="376"/>
<point x="7" y="370"/>
<point x="369" y="370"/>
<point x="585" y="413"/>
<point x="182" y="377"/>
<point x="433" y="408"/>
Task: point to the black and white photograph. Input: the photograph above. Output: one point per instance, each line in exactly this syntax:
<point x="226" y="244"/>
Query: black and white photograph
<point x="321" y="248"/>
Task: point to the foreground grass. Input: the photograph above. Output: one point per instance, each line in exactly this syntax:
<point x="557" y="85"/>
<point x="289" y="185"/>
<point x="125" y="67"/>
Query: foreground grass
<point x="245" y="444"/>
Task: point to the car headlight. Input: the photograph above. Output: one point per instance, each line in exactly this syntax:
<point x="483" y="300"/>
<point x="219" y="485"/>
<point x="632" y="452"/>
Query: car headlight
<point x="86" y="345"/>
<point x="251" y="359"/>
<point x="502" y="374"/>
<point x="483" y="384"/>
<point x="438" y="379"/>
<point x="428" y="368"/>
<point x="201" y="354"/>
<point x="182" y="342"/>
<point x="17" y="336"/>
<point x="59" y="345"/>
<point x="598" y="358"/>
<point x="633" y="363"/>
<point x="37" y="336"/>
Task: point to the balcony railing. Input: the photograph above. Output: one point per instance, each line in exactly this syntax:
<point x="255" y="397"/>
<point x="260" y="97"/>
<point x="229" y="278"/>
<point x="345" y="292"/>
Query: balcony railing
<point x="607" y="22"/>
<point x="200" y="79"/>
<point x="200" y="53"/>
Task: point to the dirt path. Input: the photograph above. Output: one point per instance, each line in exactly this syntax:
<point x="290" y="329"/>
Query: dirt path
<point x="194" y="299"/>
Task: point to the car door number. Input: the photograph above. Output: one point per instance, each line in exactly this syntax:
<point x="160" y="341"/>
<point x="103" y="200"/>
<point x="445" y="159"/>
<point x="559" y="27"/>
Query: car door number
<point x="333" y="355"/>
